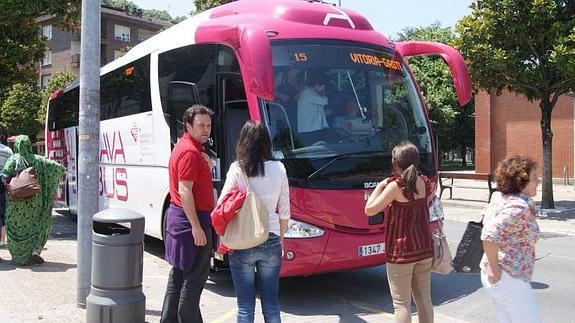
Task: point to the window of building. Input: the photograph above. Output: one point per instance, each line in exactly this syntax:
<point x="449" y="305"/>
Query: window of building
<point x="126" y="90"/>
<point x="47" y="60"/>
<point x="144" y="34"/>
<point x="103" y="55"/>
<point x="44" y="79"/>
<point x="104" y="29"/>
<point x="121" y="33"/>
<point x="47" y="31"/>
<point x="75" y="52"/>
<point x="74" y="47"/>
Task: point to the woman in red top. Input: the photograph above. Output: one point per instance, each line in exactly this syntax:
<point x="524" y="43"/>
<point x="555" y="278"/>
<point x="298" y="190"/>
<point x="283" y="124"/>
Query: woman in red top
<point x="408" y="242"/>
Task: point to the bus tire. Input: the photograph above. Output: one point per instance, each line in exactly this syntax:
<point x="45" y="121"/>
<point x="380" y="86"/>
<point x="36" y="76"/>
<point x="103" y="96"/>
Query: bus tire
<point x="165" y="218"/>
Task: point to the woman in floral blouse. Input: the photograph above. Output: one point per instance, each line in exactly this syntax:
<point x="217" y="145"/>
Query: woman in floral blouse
<point x="509" y="238"/>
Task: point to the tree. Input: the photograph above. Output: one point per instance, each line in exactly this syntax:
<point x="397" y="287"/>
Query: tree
<point x="452" y="124"/>
<point x="203" y="5"/>
<point x="527" y="47"/>
<point x="129" y="6"/>
<point x="125" y="5"/>
<point x="158" y="14"/>
<point x="21" y="45"/>
<point x="58" y="81"/>
<point x="19" y="109"/>
<point x="179" y="19"/>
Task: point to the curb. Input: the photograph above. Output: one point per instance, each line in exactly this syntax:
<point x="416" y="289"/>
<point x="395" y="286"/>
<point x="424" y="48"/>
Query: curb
<point x="562" y="212"/>
<point x="463" y="205"/>
<point x="556" y="213"/>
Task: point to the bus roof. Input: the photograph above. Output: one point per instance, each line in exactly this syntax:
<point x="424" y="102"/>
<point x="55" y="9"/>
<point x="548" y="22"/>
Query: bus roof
<point x="284" y="19"/>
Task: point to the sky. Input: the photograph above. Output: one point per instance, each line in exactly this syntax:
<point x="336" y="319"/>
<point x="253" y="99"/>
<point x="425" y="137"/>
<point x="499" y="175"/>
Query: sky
<point x="387" y="17"/>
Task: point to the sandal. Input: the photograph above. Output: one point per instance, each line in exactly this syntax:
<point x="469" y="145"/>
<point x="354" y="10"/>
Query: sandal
<point x="36" y="259"/>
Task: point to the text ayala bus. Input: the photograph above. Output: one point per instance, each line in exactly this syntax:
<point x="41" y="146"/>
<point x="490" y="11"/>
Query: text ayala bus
<point x="252" y="60"/>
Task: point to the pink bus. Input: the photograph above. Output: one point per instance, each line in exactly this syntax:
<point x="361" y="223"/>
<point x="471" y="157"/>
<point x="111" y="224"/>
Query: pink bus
<point x="257" y="59"/>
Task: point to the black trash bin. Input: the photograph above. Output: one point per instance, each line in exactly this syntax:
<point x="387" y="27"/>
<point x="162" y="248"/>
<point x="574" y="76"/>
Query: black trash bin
<point x="117" y="262"/>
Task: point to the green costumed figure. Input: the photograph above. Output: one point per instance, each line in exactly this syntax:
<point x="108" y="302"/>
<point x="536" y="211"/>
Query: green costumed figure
<point x="29" y="221"/>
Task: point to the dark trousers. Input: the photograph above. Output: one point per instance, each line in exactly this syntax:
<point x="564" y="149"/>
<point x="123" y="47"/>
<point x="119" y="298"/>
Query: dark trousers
<point x="182" y="299"/>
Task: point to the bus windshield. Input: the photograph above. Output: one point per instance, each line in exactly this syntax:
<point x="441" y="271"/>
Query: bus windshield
<point x="339" y="110"/>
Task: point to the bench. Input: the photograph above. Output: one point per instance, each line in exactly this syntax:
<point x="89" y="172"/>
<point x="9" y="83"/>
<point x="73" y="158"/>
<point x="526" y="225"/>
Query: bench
<point x="475" y="176"/>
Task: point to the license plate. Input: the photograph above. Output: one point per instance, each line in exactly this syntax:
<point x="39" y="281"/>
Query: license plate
<point x="371" y="249"/>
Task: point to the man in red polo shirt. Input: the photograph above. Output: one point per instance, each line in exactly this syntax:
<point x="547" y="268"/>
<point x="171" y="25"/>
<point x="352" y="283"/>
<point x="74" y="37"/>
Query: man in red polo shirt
<point x="188" y="237"/>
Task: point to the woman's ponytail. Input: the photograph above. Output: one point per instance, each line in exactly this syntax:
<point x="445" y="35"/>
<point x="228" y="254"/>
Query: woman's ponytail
<point x="409" y="177"/>
<point x="405" y="158"/>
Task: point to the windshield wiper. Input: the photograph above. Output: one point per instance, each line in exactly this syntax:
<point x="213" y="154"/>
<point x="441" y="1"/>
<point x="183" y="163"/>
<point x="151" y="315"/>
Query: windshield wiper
<point x="340" y="157"/>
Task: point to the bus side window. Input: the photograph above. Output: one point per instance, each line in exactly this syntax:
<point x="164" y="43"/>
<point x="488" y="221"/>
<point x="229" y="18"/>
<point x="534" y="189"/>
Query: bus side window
<point x="236" y="114"/>
<point x="186" y="77"/>
<point x="181" y="96"/>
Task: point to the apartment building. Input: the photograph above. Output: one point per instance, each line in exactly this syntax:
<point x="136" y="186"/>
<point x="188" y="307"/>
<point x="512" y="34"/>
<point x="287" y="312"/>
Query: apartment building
<point x="119" y="30"/>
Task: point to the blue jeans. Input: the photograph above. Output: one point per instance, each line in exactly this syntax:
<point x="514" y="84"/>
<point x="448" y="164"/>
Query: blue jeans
<point x="265" y="260"/>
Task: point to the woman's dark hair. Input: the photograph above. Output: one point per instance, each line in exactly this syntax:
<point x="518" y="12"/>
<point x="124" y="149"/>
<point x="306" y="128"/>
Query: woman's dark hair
<point x="253" y="148"/>
<point x="405" y="158"/>
<point x="192" y="111"/>
<point x="512" y="174"/>
<point x="317" y="78"/>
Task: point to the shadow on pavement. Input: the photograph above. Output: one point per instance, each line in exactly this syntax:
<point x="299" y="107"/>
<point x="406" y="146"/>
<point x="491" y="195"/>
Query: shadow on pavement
<point x="153" y="313"/>
<point x="537" y="285"/>
<point x="48" y="266"/>
<point x="346" y="294"/>
<point x="449" y="288"/>
<point x="220" y="282"/>
<point x="63" y="225"/>
<point x="564" y="210"/>
<point x="154" y="246"/>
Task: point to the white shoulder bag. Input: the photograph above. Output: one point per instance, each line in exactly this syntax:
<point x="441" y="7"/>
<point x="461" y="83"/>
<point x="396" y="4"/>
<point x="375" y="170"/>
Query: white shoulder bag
<point x="250" y="227"/>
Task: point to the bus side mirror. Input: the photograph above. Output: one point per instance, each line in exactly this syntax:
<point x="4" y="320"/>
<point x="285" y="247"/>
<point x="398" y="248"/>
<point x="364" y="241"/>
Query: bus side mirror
<point x="256" y="54"/>
<point x="451" y="56"/>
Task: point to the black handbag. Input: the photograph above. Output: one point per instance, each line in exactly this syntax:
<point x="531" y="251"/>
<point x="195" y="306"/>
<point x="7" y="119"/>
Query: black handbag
<point x="470" y="249"/>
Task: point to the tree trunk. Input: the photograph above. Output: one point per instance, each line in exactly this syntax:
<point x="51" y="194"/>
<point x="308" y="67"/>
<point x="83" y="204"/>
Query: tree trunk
<point x="547" y="201"/>
<point x="463" y="151"/>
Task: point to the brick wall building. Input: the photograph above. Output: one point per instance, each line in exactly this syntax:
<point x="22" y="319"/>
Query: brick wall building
<point x="119" y="30"/>
<point x="509" y="124"/>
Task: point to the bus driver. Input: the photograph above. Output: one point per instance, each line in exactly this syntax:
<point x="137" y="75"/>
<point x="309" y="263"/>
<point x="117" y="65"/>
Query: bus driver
<point x="311" y="113"/>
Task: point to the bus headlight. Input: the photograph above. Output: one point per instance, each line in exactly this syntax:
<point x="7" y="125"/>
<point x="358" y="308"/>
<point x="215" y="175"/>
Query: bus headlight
<point x="297" y="229"/>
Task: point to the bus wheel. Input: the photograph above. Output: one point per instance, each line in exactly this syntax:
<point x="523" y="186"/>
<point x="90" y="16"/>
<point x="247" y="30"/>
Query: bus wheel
<point x="219" y="270"/>
<point x="164" y="224"/>
<point x="218" y="263"/>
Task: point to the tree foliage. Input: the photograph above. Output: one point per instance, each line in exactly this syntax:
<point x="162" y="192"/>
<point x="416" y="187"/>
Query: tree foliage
<point x="158" y="14"/>
<point x="18" y="111"/>
<point x="21" y="44"/>
<point x="130" y="6"/>
<point x="203" y="5"/>
<point x="58" y="81"/>
<point x="525" y="46"/>
<point x="453" y="125"/>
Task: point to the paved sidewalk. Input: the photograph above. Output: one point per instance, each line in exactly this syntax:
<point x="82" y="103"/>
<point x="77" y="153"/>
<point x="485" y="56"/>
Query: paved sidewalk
<point x="470" y="198"/>
<point x="47" y="293"/>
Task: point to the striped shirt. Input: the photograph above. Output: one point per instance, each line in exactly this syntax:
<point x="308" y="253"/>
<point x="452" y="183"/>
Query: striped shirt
<point x="407" y="233"/>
